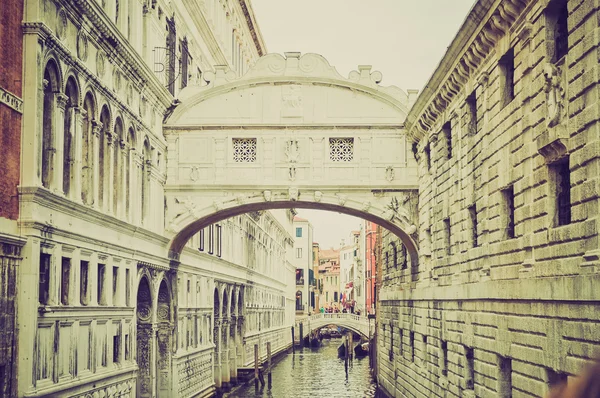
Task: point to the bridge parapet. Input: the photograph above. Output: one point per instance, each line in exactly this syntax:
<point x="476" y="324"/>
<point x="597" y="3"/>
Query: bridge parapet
<point x="356" y="323"/>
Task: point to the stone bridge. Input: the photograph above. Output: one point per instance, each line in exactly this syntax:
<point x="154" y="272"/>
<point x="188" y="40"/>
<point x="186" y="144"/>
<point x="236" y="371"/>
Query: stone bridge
<point x="291" y="133"/>
<point x="356" y="323"/>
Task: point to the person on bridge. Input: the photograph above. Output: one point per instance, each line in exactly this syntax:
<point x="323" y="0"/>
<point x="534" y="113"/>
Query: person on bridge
<point x="322" y="310"/>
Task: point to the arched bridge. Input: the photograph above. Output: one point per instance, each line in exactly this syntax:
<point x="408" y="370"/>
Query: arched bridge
<point x="356" y="323"/>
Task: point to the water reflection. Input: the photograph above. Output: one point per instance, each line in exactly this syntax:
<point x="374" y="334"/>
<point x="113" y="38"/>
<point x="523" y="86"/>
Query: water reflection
<point x="315" y="372"/>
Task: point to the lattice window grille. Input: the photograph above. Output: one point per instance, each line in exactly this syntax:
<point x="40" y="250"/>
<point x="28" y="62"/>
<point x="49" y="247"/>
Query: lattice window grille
<point x="244" y="150"/>
<point x="341" y="149"/>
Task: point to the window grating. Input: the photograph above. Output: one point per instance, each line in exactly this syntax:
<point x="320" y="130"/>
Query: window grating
<point x="244" y="150"/>
<point x="341" y="149"/>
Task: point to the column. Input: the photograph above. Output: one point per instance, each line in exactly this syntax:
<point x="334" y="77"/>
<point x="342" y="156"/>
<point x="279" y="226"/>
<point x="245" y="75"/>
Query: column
<point x="233" y="350"/>
<point x="217" y="360"/>
<point x="58" y="135"/>
<point x="77" y="143"/>
<point x="240" y="340"/>
<point x="109" y="204"/>
<point x="122" y="210"/>
<point x="225" y="374"/>
<point x="96" y="131"/>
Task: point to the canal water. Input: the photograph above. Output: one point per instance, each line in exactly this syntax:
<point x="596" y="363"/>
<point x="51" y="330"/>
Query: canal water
<point x="313" y="373"/>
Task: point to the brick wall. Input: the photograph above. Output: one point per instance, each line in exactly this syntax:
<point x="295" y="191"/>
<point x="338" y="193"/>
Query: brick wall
<point x="515" y="314"/>
<point x="11" y="50"/>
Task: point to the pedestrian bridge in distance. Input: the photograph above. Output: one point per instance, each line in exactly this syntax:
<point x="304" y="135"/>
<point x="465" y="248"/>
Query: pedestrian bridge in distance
<point x="356" y="323"/>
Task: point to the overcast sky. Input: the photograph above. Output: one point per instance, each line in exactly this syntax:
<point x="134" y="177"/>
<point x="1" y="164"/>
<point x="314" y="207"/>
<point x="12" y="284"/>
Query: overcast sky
<point x="403" y="39"/>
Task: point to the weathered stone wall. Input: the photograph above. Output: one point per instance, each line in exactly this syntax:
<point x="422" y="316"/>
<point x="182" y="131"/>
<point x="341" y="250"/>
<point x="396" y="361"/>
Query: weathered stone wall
<point x="513" y="315"/>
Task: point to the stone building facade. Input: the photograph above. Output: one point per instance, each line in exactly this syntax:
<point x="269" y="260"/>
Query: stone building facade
<point x="102" y="309"/>
<point x="11" y="108"/>
<point x="503" y="301"/>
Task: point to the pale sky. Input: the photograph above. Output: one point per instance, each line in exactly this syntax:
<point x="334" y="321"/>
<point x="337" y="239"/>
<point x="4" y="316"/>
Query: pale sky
<point x="403" y="39"/>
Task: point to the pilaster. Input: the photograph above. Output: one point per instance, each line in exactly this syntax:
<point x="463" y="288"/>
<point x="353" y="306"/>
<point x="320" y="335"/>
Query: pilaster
<point x="76" y="178"/>
<point x="58" y="137"/>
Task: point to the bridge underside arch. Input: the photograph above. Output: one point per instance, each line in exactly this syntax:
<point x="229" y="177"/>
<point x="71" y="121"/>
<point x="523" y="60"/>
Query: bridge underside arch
<point x="394" y="219"/>
<point x="354" y="329"/>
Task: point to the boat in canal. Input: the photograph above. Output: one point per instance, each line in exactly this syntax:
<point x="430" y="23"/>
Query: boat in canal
<point x="361" y="350"/>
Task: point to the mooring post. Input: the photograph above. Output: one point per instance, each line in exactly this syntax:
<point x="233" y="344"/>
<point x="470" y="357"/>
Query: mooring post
<point x="301" y="336"/>
<point x="346" y="355"/>
<point x="351" y="344"/>
<point x="269" y="363"/>
<point x="293" y="341"/>
<point x="256" y="367"/>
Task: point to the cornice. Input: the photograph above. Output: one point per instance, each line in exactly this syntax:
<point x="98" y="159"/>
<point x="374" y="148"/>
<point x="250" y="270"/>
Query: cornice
<point x="253" y="27"/>
<point x="485" y="25"/>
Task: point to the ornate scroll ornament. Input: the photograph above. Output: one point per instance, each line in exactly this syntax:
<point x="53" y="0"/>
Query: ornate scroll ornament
<point x="318" y="196"/>
<point x="267" y="196"/>
<point x="82" y="46"/>
<point x="292" y="173"/>
<point x="554" y="94"/>
<point x="292" y="151"/>
<point x="100" y="64"/>
<point x="195" y="173"/>
<point x="390" y="173"/>
<point x="293" y="193"/>
<point x="342" y="199"/>
<point x="188" y="204"/>
<point x="61" y="23"/>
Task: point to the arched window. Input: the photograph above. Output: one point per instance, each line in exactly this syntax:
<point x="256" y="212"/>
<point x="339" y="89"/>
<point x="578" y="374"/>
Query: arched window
<point x="87" y="151"/>
<point x="145" y="178"/>
<point x="117" y="161"/>
<point x="102" y="159"/>
<point x="51" y="86"/>
<point x="72" y="94"/>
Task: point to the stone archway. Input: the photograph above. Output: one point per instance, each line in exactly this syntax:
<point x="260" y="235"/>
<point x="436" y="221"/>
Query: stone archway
<point x="304" y="134"/>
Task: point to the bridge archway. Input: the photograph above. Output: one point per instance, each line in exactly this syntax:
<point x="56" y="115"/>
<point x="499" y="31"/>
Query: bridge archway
<point x="291" y="133"/>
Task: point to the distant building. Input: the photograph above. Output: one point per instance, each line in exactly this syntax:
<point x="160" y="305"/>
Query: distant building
<point x="372" y="241"/>
<point x="302" y="259"/>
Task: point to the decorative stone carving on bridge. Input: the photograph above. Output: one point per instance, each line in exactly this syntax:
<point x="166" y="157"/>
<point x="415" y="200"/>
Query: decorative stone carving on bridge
<point x="292" y="151"/>
<point x="318" y="196"/>
<point x="291" y="101"/>
<point x="390" y="173"/>
<point x="293" y="193"/>
<point x="267" y="196"/>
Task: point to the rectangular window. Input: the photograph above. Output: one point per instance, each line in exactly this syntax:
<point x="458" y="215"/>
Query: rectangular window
<point x="184" y="62"/>
<point x="469" y="369"/>
<point x="127" y="287"/>
<point x="101" y="277"/>
<point x="211" y="239"/>
<point x="44" y="283"/>
<point x="201" y="247"/>
<point x="83" y="282"/>
<point x="447" y="234"/>
<point x="299" y="232"/>
<point x="507" y="77"/>
<point x="341" y="149"/>
<point x="299" y="252"/>
<point x="504" y="377"/>
<point x="412" y="346"/>
<point x="561" y="179"/>
<point x="335" y="296"/>
<point x="557" y="31"/>
<point x="400" y="341"/>
<point x="447" y="132"/>
<point x="219" y="241"/>
<point x="444" y="358"/>
<point x="391" y="342"/>
<point x="65" y="276"/>
<point x="115" y="286"/>
<point x="116" y="341"/>
<point x="244" y="150"/>
<point x="127" y="347"/>
<point x="509" y="211"/>
<point x="472" y="112"/>
<point x="473" y="224"/>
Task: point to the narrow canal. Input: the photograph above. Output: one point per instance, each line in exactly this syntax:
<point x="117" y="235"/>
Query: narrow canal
<point x="314" y="372"/>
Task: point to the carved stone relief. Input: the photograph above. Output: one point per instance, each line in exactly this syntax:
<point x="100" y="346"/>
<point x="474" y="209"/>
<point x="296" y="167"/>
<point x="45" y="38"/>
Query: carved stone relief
<point x="82" y="46"/>
<point x="554" y="94"/>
